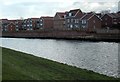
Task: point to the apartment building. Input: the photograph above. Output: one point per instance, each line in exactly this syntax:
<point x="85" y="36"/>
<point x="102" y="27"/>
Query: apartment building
<point x="59" y="20"/>
<point x="46" y="22"/>
<point x="90" y="22"/>
<point x="73" y="18"/>
<point x="29" y="24"/>
<point x="110" y="20"/>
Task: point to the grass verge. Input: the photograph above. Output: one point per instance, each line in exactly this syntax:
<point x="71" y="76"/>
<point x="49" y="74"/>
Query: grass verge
<point x="21" y="66"/>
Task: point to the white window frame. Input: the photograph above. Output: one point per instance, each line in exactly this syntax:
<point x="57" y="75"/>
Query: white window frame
<point x="41" y="20"/>
<point x="77" y="20"/>
<point x="84" y="21"/>
<point x="31" y="25"/>
<point x="71" y="26"/>
<point x="76" y="26"/>
<point x="28" y="25"/>
<point x="70" y="14"/>
<point x="68" y="20"/>
<point x="41" y="24"/>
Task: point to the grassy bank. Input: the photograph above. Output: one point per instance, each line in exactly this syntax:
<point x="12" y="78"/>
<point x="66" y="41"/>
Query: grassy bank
<point x="21" y="66"/>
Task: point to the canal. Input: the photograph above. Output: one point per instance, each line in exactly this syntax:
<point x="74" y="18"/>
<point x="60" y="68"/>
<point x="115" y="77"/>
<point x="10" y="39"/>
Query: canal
<point x="101" y="57"/>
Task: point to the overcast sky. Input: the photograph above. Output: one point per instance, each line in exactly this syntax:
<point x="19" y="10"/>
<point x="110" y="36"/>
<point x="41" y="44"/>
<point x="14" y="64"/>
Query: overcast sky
<point x="14" y="9"/>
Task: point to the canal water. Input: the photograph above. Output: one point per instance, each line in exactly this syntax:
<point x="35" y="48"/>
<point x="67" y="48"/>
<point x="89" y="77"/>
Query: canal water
<point x="101" y="57"/>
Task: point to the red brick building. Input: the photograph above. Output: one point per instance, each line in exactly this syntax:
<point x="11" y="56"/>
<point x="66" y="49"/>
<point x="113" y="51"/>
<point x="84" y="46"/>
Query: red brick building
<point x="30" y="24"/>
<point x="11" y="27"/>
<point x="18" y="25"/>
<point x="110" y="20"/>
<point x="46" y="22"/>
<point x="59" y="20"/>
<point x="90" y="22"/>
<point x="14" y="25"/>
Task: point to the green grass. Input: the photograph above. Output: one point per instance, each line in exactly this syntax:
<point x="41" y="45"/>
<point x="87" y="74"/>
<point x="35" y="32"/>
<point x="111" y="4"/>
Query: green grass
<point x="21" y="66"/>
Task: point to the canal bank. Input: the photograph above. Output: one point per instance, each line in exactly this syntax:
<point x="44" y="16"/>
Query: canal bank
<point x="21" y="66"/>
<point x="65" y="34"/>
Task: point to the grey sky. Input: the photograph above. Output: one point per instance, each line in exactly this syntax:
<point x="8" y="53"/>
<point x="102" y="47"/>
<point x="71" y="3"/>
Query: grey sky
<point x="14" y="9"/>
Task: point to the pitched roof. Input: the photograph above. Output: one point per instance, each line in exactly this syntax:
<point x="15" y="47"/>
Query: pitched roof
<point x="99" y="15"/>
<point x="61" y="14"/>
<point x="46" y="17"/>
<point x="75" y="11"/>
<point x="32" y="18"/>
<point x="89" y="15"/>
<point x="3" y="19"/>
<point x="12" y="21"/>
<point x="113" y="15"/>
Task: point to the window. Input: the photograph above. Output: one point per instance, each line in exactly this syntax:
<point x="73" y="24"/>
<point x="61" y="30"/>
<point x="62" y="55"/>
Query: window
<point x="25" y="21"/>
<point x="71" y="20"/>
<point x="83" y="26"/>
<point x="68" y="25"/>
<point x="17" y="29"/>
<point x="76" y="26"/>
<point x="16" y="22"/>
<point x="38" y="22"/>
<point x="115" y="22"/>
<point x="31" y="29"/>
<point x="71" y="26"/>
<point x="68" y="20"/>
<point x="41" y="24"/>
<point x="31" y="25"/>
<point x="16" y="25"/>
<point x="27" y="25"/>
<point x="41" y="20"/>
<point x="5" y="29"/>
<point x="83" y="21"/>
<point x="77" y="20"/>
<point x="70" y="14"/>
<point x="64" y="16"/>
